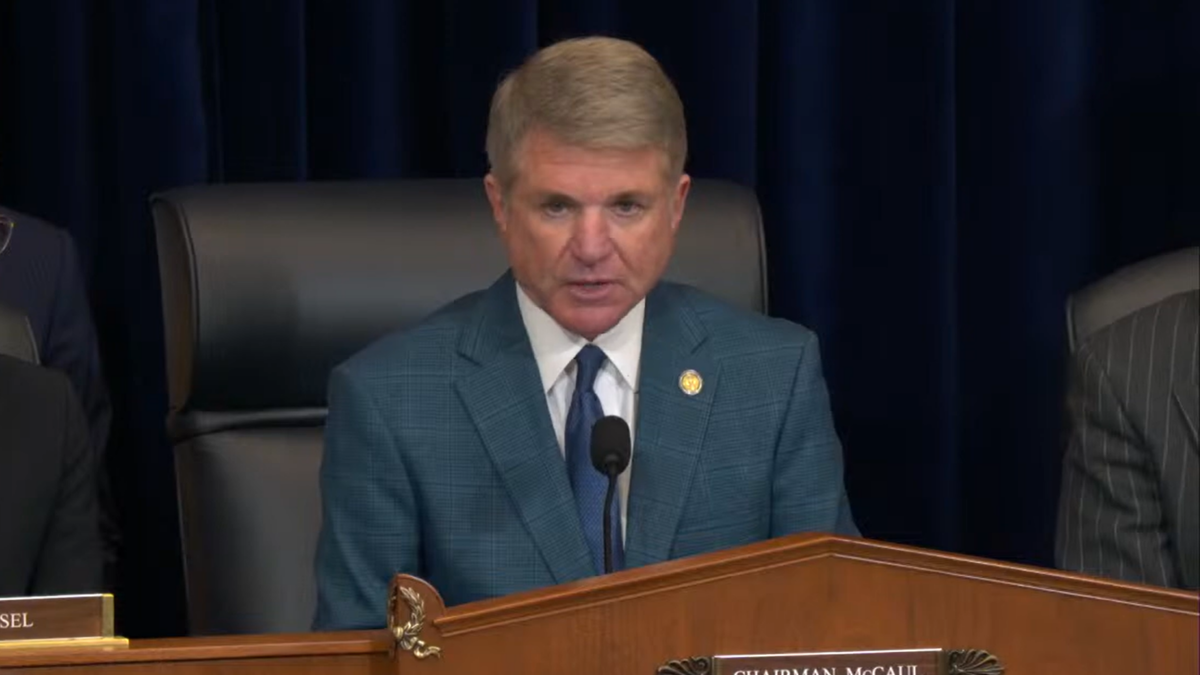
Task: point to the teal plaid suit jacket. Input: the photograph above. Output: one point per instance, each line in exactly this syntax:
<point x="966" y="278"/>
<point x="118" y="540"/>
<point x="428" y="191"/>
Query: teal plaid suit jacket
<point x="441" y="460"/>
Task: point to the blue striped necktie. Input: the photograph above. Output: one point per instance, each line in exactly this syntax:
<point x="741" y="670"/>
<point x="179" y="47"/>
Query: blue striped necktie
<point x="590" y="485"/>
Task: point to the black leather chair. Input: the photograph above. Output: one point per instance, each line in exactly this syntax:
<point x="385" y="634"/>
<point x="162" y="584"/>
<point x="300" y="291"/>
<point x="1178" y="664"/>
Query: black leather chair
<point x="267" y="287"/>
<point x="1129" y="289"/>
<point x="16" y="335"/>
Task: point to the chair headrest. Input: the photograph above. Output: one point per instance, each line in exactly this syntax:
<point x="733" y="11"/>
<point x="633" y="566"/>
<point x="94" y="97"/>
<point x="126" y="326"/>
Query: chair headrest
<point x="266" y="287"/>
<point x="1129" y="289"/>
<point x="16" y="335"/>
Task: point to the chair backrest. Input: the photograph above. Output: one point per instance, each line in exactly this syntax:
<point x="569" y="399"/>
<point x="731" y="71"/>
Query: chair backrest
<point x="266" y="287"/>
<point x="16" y="335"/>
<point x="1129" y="289"/>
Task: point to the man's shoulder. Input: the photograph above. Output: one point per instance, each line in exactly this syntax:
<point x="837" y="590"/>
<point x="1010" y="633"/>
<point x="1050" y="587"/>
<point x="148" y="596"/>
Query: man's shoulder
<point x="736" y="330"/>
<point x="427" y="345"/>
<point x="33" y="265"/>
<point x="34" y="236"/>
<point x="1175" y="315"/>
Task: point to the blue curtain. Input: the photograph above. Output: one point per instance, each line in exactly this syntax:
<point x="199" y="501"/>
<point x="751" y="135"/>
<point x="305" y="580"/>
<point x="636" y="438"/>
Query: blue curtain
<point x="935" y="177"/>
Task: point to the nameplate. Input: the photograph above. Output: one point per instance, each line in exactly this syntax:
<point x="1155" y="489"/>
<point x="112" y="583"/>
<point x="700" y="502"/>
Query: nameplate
<point x="896" y="662"/>
<point x="75" y="620"/>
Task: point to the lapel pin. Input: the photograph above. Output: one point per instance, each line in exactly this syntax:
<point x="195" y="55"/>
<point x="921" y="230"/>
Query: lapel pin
<point x="691" y="382"/>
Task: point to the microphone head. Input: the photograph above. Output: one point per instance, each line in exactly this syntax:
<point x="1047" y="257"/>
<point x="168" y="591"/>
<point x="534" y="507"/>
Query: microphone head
<point x="611" y="445"/>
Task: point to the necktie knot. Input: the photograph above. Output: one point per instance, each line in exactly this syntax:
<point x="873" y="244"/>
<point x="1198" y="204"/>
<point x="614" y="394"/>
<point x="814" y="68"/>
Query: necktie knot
<point x="589" y="359"/>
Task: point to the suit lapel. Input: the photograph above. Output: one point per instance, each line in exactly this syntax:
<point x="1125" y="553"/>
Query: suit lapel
<point x="671" y="425"/>
<point x="1187" y="397"/>
<point x="502" y="392"/>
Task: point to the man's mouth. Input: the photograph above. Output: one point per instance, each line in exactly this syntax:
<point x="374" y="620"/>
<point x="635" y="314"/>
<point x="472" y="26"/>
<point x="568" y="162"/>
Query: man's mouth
<point x="591" y="290"/>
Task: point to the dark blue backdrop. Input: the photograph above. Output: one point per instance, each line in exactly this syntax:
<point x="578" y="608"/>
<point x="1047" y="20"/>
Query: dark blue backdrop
<point x="935" y="175"/>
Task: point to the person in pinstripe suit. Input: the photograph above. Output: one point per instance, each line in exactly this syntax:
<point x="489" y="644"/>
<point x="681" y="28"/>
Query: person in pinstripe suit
<point x="1129" y="507"/>
<point x="445" y="444"/>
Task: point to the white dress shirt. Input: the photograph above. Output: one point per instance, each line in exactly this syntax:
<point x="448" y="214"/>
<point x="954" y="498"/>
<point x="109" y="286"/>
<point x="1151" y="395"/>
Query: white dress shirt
<point x="616" y="384"/>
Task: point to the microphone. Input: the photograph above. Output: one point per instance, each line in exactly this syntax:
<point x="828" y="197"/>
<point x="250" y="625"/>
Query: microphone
<point x="610" y="455"/>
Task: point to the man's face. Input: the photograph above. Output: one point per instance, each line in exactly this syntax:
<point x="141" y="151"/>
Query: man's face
<point x="588" y="232"/>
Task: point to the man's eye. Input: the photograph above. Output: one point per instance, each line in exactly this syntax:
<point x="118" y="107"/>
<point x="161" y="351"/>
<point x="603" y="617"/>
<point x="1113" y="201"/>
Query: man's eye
<point x="555" y="209"/>
<point x="628" y="208"/>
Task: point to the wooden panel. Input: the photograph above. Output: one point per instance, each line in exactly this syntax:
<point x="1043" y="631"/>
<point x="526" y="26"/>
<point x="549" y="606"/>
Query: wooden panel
<point x="352" y="652"/>
<point x="818" y="593"/>
<point x="795" y="551"/>
<point x="377" y="664"/>
<point x="800" y="594"/>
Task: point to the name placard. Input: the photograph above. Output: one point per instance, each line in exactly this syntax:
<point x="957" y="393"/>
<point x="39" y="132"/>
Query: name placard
<point x="894" y="662"/>
<point x="58" y="620"/>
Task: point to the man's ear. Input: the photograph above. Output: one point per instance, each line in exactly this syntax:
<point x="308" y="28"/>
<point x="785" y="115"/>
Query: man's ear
<point x="679" y="199"/>
<point x="495" y="195"/>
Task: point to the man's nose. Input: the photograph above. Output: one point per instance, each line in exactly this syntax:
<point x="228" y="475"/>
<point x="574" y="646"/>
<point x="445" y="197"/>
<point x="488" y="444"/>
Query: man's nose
<point x="592" y="242"/>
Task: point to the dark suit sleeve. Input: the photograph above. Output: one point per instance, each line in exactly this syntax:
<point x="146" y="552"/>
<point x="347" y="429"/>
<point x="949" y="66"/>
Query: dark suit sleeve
<point x="70" y="557"/>
<point x="809" y="492"/>
<point x="1110" y="514"/>
<point x="71" y="345"/>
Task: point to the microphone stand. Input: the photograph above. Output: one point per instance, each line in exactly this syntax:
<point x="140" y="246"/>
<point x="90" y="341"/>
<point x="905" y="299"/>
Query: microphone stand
<point x="608" y="502"/>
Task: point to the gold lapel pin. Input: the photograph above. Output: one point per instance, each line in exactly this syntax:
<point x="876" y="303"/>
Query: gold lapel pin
<point x="690" y="382"/>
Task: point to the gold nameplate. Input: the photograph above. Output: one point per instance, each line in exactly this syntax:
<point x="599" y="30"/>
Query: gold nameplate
<point x="58" y="621"/>
<point x="897" y="662"/>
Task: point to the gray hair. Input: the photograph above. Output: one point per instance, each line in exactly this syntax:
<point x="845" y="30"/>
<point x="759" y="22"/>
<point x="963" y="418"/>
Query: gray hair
<point x="594" y="92"/>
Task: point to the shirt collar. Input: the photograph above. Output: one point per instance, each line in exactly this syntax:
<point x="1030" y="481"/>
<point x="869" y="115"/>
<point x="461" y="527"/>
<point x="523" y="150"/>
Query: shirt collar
<point x="555" y="347"/>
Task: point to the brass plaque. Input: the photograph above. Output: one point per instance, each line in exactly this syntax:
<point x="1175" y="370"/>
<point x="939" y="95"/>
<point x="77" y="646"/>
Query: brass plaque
<point x="57" y="618"/>
<point x="895" y="662"/>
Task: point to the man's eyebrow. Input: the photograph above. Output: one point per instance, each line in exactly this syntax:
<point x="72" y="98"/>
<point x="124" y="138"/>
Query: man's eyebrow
<point x="633" y="196"/>
<point x="543" y="197"/>
<point x="550" y="196"/>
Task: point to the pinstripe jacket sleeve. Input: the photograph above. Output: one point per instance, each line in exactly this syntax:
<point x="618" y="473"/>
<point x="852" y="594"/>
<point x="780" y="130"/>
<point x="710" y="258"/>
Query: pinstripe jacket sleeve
<point x="1128" y="506"/>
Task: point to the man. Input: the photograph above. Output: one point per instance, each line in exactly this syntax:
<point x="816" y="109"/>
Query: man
<point x="1130" y="505"/>
<point x="458" y="451"/>
<point x="49" y="537"/>
<point x="41" y="276"/>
